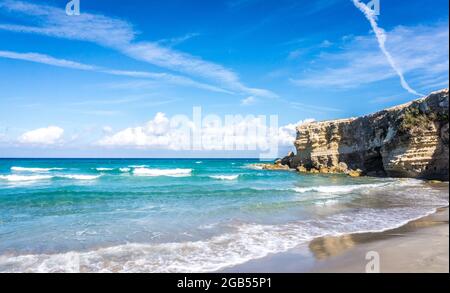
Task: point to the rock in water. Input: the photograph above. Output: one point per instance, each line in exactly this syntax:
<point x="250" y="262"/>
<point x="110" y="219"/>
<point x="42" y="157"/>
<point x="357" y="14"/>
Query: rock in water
<point x="410" y="140"/>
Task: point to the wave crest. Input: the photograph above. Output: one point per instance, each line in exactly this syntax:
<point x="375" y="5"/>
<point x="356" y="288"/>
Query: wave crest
<point x="162" y="172"/>
<point x="34" y="170"/>
<point x="21" y="178"/>
<point x="225" y="177"/>
<point x="338" y="188"/>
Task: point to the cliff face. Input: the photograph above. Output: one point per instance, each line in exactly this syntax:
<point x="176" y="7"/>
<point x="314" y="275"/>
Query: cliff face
<point x="410" y="140"/>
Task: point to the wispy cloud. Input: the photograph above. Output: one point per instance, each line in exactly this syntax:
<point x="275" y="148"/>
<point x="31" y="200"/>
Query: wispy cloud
<point x="248" y="101"/>
<point x="177" y="40"/>
<point x="359" y="62"/>
<point x="100" y="112"/>
<point x="161" y="77"/>
<point x="120" y="35"/>
<point x="312" y="108"/>
<point x="382" y="37"/>
<point x="45" y="59"/>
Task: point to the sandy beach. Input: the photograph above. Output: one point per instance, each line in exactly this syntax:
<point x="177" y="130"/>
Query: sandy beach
<point x="421" y="246"/>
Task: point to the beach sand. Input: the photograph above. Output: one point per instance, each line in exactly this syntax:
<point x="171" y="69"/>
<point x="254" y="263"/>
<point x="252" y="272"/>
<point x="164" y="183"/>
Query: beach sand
<point x="421" y="246"/>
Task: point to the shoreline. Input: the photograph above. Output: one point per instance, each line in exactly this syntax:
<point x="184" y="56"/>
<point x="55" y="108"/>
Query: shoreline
<point x="420" y="246"/>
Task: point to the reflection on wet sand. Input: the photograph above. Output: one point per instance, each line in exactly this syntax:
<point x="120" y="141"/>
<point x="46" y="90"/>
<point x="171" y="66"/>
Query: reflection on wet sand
<point x="326" y="247"/>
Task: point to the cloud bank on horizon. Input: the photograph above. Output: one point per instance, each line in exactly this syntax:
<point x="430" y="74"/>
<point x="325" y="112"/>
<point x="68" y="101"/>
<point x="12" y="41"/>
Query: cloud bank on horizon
<point x="99" y="93"/>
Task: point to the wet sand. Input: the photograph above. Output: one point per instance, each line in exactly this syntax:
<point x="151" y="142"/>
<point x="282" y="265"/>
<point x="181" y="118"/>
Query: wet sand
<point x="421" y="246"/>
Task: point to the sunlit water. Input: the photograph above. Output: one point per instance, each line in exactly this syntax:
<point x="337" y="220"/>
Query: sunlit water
<point x="184" y="215"/>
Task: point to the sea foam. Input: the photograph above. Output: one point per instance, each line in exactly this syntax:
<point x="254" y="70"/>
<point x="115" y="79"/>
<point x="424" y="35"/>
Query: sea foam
<point x="338" y="188"/>
<point x="104" y="169"/>
<point x="80" y="177"/>
<point x="162" y="172"/>
<point x="243" y="243"/>
<point x="225" y="177"/>
<point x="20" y="178"/>
<point x="34" y="170"/>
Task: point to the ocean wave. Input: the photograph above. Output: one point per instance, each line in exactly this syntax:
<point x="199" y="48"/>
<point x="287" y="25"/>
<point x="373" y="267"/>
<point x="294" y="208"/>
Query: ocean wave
<point x="162" y="172"/>
<point x="224" y="177"/>
<point x="104" y="169"/>
<point x="34" y="170"/>
<point x="21" y="178"/>
<point x="338" y="188"/>
<point x="253" y="167"/>
<point x="80" y="177"/>
<point x="123" y="170"/>
<point x="244" y="243"/>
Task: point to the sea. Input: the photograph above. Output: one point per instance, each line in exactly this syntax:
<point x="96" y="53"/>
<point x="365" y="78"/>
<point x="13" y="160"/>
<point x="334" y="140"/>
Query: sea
<point x="184" y="215"/>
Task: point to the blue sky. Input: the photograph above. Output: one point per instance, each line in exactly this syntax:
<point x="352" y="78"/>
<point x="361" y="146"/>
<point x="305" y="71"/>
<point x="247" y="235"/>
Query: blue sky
<point x="106" y="82"/>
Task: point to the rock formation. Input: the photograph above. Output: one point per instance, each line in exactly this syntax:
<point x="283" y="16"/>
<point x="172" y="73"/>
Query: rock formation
<point x="411" y="140"/>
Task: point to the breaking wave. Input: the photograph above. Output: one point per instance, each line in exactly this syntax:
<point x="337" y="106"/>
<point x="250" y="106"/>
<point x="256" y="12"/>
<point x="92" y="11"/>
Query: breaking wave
<point x="162" y="172"/>
<point x="225" y="177"/>
<point x="244" y="243"/>
<point x="80" y="177"/>
<point x="338" y="189"/>
<point x="23" y="178"/>
<point x="34" y="170"/>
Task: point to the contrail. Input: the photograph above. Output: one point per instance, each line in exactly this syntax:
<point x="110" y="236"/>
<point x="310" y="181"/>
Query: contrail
<point x="381" y="37"/>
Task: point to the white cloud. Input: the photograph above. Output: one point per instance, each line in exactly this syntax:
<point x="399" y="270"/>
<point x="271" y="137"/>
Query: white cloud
<point x="326" y="44"/>
<point x="120" y="35"/>
<point x="176" y="41"/>
<point x="382" y="37"/>
<point x="421" y="52"/>
<point x="107" y="129"/>
<point x="154" y="134"/>
<point x="160" y="77"/>
<point x="42" y="136"/>
<point x="295" y="54"/>
<point x="288" y="133"/>
<point x="170" y="134"/>
<point x="248" y="101"/>
<point x="45" y="59"/>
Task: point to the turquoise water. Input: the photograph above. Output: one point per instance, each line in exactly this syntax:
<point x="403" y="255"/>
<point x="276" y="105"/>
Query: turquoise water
<point x="183" y="215"/>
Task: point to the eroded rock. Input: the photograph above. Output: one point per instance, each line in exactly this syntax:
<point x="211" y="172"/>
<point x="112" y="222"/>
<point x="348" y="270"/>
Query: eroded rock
<point x="410" y="140"/>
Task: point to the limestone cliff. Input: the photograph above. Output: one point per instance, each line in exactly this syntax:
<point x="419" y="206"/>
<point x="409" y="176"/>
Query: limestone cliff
<point x="410" y="140"/>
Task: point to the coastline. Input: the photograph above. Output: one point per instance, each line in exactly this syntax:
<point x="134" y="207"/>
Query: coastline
<point x="421" y="246"/>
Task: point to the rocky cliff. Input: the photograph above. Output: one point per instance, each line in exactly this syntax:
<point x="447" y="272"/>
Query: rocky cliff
<point x="410" y="140"/>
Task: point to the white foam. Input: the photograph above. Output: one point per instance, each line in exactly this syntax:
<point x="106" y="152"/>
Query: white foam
<point x="253" y="167"/>
<point x="338" y="188"/>
<point x="162" y="172"/>
<point x="138" y="166"/>
<point x="124" y="170"/>
<point x="20" y="178"/>
<point x="245" y="242"/>
<point x="199" y="162"/>
<point x="225" y="177"/>
<point x="80" y="177"/>
<point x="104" y="169"/>
<point x="34" y="170"/>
